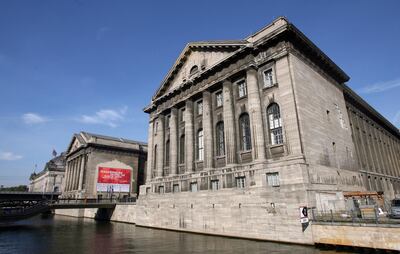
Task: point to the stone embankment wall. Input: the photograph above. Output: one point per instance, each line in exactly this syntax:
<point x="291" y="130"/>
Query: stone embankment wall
<point x="122" y="213"/>
<point x="368" y="236"/>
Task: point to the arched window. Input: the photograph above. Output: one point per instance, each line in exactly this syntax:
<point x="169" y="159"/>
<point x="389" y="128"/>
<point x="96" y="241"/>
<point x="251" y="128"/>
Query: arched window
<point x="182" y="149"/>
<point x="220" y="136"/>
<point x="245" y="133"/>
<point x="167" y="153"/>
<point x="194" y="70"/>
<point x="275" y="124"/>
<point x="200" y="145"/>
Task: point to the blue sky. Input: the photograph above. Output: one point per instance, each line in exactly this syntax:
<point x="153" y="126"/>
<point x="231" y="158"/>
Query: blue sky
<point x="67" y="66"/>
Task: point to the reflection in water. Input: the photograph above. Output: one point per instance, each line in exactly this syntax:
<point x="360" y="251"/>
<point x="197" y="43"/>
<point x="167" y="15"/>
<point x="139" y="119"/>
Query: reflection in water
<point x="70" y="235"/>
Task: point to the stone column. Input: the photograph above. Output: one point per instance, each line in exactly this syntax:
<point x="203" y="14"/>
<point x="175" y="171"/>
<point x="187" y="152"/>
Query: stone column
<point x="173" y="142"/>
<point x="150" y="147"/>
<point x="82" y="171"/>
<point x="189" y="137"/>
<point x="229" y="124"/>
<point x="160" y="145"/>
<point x="66" y="176"/>
<point x="208" y="130"/>
<point x="73" y="174"/>
<point x="255" y="113"/>
<point x="70" y="171"/>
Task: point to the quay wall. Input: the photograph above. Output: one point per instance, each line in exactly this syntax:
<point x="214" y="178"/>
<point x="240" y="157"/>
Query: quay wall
<point x="122" y="213"/>
<point x="366" y="236"/>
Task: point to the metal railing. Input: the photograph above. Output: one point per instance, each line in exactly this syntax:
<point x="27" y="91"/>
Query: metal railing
<point x="362" y="216"/>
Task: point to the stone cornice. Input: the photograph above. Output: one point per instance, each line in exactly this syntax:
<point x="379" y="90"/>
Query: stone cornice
<point x="360" y="104"/>
<point x="284" y="33"/>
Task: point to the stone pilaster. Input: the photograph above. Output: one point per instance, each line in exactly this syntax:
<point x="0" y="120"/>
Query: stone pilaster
<point x="208" y="130"/>
<point x="173" y="142"/>
<point x="160" y="145"/>
<point x="75" y="174"/>
<point x="255" y="113"/>
<point x="189" y="137"/>
<point x="150" y="147"/>
<point x="81" y="172"/>
<point x="67" y="177"/>
<point x="229" y="124"/>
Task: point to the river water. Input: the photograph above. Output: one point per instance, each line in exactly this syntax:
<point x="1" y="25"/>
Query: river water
<point x="60" y="234"/>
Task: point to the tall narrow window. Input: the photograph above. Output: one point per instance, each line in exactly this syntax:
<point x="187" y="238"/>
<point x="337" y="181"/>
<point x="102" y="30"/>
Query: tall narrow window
<point x="199" y="108"/>
<point x="220" y="139"/>
<point x="154" y="160"/>
<point x="275" y="124"/>
<point x="242" y="88"/>
<point x="268" y="78"/>
<point x="200" y="145"/>
<point x="167" y="153"/>
<point x="245" y="134"/>
<point x="182" y="149"/>
<point x="241" y="182"/>
<point x="219" y="99"/>
<point x="167" y="121"/>
<point x="181" y="115"/>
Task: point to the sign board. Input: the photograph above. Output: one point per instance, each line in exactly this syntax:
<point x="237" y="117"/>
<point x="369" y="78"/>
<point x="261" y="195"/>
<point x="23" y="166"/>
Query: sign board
<point x="113" y="180"/>
<point x="303" y="214"/>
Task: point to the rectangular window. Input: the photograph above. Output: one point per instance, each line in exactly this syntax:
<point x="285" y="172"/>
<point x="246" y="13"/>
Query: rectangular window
<point x="193" y="187"/>
<point x="175" y="188"/>
<point x="273" y="179"/>
<point x="219" y="99"/>
<point x="200" y="145"/>
<point x="148" y="190"/>
<point x="268" y="78"/>
<point x="242" y="88"/>
<point x="181" y="115"/>
<point x="199" y="108"/>
<point x="241" y="182"/>
<point x="161" y="189"/>
<point x="214" y="185"/>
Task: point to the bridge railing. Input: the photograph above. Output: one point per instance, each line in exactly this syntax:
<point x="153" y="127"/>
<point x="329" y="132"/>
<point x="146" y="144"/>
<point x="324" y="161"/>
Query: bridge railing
<point x="115" y="200"/>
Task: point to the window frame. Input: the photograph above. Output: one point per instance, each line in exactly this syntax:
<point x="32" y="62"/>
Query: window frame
<point x="182" y="140"/>
<point x="200" y="145"/>
<point x="220" y="139"/>
<point x="272" y="78"/>
<point x="245" y="133"/>
<point x="274" y="182"/>
<point x="240" y="182"/>
<point x="217" y="95"/>
<point x="217" y="184"/>
<point x="167" y="153"/>
<point x="191" y="187"/>
<point x="274" y="124"/>
<point x="199" y="107"/>
<point x="238" y="84"/>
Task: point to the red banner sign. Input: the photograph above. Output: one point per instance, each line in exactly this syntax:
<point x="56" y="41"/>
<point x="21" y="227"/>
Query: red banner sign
<point x="114" y="176"/>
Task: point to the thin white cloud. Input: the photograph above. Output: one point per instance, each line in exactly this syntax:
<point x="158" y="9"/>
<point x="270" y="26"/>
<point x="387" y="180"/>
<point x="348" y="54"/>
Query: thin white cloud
<point x="396" y="119"/>
<point x="9" y="156"/>
<point x="101" y="32"/>
<point x="33" y="118"/>
<point x="381" y="86"/>
<point x="109" y="117"/>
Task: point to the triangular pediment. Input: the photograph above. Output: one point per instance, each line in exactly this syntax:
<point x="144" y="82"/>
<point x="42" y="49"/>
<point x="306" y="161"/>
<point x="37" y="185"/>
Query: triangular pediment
<point x="76" y="142"/>
<point x="195" y="58"/>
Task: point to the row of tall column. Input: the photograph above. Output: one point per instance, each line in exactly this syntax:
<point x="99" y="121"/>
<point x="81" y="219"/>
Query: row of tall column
<point x="75" y="173"/>
<point x="377" y="152"/>
<point x="157" y="135"/>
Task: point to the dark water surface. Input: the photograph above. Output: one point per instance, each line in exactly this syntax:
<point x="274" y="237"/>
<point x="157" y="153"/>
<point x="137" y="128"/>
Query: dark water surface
<point x="71" y="235"/>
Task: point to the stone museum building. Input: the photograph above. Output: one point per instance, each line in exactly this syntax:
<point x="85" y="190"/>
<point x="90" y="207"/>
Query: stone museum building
<point x="100" y="166"/>
<point x="243" y="133"/>
<point x="51" y="177"/>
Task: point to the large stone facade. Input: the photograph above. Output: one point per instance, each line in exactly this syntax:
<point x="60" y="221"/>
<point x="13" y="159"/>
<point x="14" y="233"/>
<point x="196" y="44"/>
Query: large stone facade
<point x="51" y="177"/>
<point x="88" y="152"/>
<point x="243" y="133"/>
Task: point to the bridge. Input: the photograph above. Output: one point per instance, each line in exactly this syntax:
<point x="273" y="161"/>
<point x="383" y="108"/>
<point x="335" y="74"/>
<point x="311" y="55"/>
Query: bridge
<point x="23" y="205"/>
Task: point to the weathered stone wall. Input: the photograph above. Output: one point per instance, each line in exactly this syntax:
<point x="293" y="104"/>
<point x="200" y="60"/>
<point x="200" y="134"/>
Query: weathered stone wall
<point x="257" y="211"/>
<point x="369" y="236"/>
<point x="122" y="213"/>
